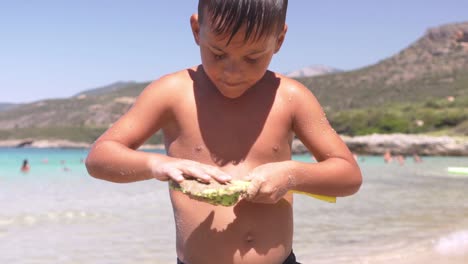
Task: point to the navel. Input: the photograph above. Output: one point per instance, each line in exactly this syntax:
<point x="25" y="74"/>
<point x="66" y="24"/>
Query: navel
<point x="249" y="238"/>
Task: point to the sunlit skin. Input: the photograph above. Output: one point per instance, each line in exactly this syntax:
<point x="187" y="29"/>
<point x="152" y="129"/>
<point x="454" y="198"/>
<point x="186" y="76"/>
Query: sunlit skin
<point x="229" y="118"/>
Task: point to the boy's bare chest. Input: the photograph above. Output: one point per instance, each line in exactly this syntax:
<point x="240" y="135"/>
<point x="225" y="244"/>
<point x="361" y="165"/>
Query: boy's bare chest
<point x="256" y="133"/>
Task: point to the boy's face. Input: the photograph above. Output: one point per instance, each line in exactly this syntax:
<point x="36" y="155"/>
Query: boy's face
<point x="234" y="68"/>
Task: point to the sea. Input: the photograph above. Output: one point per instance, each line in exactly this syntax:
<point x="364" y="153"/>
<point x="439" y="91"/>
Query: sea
<point x="407" y="213"/>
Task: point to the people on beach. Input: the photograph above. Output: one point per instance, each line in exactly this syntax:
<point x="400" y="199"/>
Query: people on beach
<point x="388" y="158"/>
<point x="230" y="118"/>
<point x="416" y="158"/>
<point x="401" y="160"/>
<point x="25" y="167"/>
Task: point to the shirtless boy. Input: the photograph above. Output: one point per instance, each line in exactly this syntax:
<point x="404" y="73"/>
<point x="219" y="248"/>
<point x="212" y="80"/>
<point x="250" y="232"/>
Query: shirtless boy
<point x="230" y="118"/>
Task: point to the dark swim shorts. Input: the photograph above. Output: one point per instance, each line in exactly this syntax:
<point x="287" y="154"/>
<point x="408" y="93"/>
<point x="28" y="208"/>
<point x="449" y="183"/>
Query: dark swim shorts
<point x="291" y="259"/>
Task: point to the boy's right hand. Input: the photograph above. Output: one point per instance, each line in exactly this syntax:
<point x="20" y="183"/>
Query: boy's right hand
<point x="180" y="169"/>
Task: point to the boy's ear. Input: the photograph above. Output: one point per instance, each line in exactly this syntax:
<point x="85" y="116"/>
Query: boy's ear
<point x="281" y="36"/>
<point x="195" y="28"/>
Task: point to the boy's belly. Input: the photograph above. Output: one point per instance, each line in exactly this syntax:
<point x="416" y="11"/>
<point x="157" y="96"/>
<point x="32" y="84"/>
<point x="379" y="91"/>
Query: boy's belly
<point x="245" y="233"/>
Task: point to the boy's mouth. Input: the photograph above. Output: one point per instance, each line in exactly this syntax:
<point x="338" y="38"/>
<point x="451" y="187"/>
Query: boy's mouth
<point x="232" y="84"/>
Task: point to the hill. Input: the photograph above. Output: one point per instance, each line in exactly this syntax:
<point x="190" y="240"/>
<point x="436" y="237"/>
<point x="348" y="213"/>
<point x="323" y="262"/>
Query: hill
<point x="80" y="118"/>
<point x="6" y="106"/>
<point x="314" y="70"/>
<point x="95" y="108"/>
<point x="405" y="93"/>
<point x="114" y="87"/>
<point x="434" y="67"/>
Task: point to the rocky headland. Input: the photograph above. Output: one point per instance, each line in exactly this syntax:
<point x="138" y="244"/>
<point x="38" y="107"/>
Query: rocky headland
<point x="402" y="144"/>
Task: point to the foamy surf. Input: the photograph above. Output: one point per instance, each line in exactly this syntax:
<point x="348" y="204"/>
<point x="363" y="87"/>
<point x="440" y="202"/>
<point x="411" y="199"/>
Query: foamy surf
<point x="454" y="244"/>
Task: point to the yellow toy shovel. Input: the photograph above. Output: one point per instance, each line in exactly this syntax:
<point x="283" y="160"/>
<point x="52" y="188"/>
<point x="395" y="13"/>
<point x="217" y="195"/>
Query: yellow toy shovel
<point x="325" y="198"/>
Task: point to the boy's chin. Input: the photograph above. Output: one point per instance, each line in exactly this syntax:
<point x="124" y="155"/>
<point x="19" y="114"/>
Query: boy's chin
<point x="232" y="94"/>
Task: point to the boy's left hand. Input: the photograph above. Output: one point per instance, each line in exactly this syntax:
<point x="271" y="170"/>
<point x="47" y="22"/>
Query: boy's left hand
<point x="269" y="183"/>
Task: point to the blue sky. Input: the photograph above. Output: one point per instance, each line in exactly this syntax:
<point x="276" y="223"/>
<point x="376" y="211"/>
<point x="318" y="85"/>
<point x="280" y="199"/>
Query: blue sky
<point x="51" y="49"/>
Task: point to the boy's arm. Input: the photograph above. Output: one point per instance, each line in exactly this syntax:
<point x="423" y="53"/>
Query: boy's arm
<point x="114" y="157"/>
<point x="335" y="174"/>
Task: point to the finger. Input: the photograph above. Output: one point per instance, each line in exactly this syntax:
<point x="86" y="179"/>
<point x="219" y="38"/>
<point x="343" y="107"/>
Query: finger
<point x="175" y="175"/>
<point x="249" y="177"/>
<point x="253" y="190"/>
<point x="217" y="174"/>
<point x="197" y="173"/>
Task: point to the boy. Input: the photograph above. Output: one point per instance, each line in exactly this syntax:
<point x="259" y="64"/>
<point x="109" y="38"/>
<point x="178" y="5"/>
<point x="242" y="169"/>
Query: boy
<point x="231" y="118"/>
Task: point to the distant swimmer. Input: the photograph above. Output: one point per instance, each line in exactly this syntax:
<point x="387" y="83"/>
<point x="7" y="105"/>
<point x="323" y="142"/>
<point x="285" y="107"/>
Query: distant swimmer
<point x="25" y="167"/>
<point x="388" y="156"/>
<point x="401" y="160"/>
<point x="416" y="158"/>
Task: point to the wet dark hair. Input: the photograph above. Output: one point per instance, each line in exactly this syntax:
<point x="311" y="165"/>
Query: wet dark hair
<point x="261" y="17"/>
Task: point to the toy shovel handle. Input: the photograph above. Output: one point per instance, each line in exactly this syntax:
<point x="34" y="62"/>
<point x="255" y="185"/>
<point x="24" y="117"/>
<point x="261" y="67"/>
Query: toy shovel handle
<point x="325" y="198"/>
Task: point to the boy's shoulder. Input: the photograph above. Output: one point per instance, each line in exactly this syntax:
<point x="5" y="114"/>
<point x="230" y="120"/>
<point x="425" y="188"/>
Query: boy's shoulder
<point x="178" y="79"/>
<point x="291" y="86"/>
<point x="171" y="85"/>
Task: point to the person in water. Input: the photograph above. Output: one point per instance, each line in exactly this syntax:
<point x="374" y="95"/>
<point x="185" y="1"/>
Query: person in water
<point x="230" y="118"/>
<point x="25" y="167"/>
<point x="387" y="156"/>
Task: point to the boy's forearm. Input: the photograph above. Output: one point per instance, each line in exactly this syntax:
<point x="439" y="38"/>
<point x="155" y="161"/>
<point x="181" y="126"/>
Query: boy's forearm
<point x="332" y="177"/>
<point x="111" y="161"/>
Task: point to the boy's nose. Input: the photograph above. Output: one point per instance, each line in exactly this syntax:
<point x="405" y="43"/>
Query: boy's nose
<point x="232" y="68"/>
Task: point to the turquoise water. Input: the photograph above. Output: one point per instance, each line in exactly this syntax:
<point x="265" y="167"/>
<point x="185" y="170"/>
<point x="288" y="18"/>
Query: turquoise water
<point x="57" y="213"/>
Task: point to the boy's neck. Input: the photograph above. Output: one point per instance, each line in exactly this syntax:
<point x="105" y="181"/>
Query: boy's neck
<point x="204" y="80"/>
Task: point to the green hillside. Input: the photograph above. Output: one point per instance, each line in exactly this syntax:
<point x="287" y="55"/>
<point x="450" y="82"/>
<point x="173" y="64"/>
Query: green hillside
<point x="111" y="88"/>
<point x="422" y="89"/>
<point x="398" y="93"/>
<point x="434" y="67"/>
<point x="6" y="106"/>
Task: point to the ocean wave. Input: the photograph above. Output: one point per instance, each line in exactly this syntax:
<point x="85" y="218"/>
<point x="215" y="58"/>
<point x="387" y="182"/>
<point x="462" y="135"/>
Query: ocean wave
<point x="454" y="244"/>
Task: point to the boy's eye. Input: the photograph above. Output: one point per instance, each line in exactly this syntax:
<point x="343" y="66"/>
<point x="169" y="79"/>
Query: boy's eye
<point x="219" y="56"/>
<point x="250" y="60"/>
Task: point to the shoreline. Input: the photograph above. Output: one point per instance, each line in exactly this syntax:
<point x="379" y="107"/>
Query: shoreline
<point x="401" y="144"/>
<point x="375" y="144"/>
<point x="58" y="143"/>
